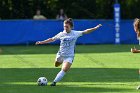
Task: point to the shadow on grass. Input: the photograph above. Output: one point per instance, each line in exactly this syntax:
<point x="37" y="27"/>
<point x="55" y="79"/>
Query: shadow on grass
<point x="52" y="49"/>
<point x="22" y="77"/>
<point x="62" y="89"/>
<point x="74" y="75"/>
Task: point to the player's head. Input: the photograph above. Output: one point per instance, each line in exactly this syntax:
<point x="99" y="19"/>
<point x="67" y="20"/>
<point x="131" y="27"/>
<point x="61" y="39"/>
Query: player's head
<point x="68" y="25"/>
<point x="38" y="12"/>
<point x="137" y="26"/>
<point x="137" y="23"/>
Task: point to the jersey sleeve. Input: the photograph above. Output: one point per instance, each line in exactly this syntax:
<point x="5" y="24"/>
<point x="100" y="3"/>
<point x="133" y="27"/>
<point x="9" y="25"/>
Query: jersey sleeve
<point x="78" y="33"/>
<point x="56" y="37"/>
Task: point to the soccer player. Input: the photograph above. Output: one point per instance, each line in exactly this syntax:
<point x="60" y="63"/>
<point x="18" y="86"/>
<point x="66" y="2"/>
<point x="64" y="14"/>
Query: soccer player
<point x="65" y="55"/>
<point x="136" y="25"/>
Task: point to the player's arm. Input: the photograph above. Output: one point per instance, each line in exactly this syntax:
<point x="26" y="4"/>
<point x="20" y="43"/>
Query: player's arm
<point x="45" y="41"/>
<point x="87" y="31"/>
<point x="134" y="50"/>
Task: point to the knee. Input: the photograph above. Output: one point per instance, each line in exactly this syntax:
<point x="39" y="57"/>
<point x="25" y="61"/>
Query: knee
<point x="65" y="69"/>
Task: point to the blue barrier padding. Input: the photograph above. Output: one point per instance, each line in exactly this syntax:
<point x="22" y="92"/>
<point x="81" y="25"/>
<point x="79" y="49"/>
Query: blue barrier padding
<point x="30" y="31"/>
<point x="127" y="33"/>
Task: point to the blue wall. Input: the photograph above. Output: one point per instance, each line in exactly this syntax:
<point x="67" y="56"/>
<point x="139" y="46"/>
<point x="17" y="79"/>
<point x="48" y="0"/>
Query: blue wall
<point x="30" y="31"/>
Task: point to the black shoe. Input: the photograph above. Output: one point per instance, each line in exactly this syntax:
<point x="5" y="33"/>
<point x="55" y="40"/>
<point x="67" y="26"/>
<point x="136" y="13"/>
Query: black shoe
<point x="53" y="84"/>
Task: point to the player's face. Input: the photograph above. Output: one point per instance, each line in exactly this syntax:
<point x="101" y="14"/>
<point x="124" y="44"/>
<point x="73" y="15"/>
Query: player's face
<point x="67" y="28"/>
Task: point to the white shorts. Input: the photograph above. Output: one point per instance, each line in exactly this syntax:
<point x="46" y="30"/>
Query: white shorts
<point x="138" y="38"/>
<point x="61" y="59"/>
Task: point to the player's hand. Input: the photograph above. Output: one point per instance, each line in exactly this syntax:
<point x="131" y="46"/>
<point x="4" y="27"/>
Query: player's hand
<point x="38" y="42"/>
<point x="99" y="25"/>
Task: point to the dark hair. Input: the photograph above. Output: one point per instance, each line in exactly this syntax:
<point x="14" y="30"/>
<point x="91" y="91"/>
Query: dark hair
<point x="69" y="21"/>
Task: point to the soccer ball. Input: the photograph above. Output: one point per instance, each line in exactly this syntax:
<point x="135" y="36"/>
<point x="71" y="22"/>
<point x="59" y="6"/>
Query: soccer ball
<point x="42" y="81"/>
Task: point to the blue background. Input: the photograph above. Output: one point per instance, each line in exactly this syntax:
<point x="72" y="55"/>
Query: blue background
<point x="30" y="31"/>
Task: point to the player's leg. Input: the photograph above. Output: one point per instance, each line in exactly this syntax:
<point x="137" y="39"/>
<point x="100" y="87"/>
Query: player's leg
<point x="57" y="63"/>
<point x="138" y="37"/>
<point x="58" y="60"/>
<point x="65" y="67"/>
<point x="134" y="50"/>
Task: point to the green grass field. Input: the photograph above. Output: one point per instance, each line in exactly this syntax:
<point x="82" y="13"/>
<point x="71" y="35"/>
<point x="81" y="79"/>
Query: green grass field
<point x="96" y="69"/>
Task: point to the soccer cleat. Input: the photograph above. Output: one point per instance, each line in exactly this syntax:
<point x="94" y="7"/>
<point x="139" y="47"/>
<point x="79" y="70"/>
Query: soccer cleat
<point x="53" y="84"/>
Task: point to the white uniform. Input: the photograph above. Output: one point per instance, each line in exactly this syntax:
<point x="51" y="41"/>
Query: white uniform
<point x="67" y="45"/>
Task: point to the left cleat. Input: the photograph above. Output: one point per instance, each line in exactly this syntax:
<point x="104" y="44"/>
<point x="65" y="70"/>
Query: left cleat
<point x="53" y="84"/>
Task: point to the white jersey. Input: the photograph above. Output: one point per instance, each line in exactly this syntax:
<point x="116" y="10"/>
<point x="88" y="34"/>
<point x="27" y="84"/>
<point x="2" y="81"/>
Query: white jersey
<point x="68" y="41"/>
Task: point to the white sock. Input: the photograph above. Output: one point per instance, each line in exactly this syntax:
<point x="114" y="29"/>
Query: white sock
<point x="59" y="76"/>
